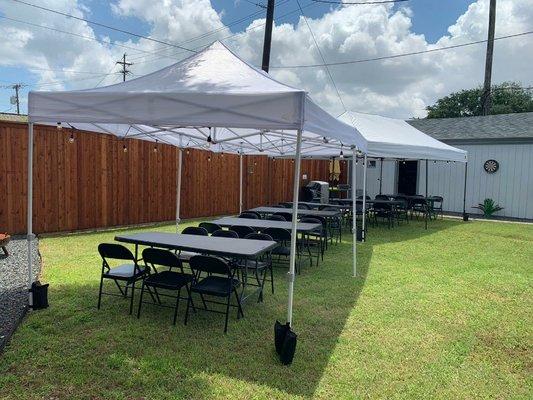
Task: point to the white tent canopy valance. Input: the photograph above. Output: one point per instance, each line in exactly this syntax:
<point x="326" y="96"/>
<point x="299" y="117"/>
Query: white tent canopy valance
<point x="391" y="138"/>
<point x="213" y="89"/>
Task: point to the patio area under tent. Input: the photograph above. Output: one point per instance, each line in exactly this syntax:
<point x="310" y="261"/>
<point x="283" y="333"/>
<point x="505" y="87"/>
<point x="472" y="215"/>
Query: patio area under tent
<point x="385" y="139"/>
<point x="212" y="100"/>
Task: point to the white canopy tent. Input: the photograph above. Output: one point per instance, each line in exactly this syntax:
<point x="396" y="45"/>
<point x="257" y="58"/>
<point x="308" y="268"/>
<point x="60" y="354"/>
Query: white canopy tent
<point x="389" y="138"/>
<point x="212" y="99"/>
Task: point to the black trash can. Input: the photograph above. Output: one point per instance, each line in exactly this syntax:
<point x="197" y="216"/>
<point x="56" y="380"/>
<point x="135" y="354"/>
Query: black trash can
<point x="40" y="295"/>
<point x="465" y="217"/>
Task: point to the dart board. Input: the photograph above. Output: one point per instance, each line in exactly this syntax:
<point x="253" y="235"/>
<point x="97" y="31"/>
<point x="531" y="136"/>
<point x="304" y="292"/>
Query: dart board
<point x="491" y="166"/>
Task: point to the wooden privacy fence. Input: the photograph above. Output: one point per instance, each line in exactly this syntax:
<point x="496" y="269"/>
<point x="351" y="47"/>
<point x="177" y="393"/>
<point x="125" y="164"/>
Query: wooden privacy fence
<point x="93" y="182"/>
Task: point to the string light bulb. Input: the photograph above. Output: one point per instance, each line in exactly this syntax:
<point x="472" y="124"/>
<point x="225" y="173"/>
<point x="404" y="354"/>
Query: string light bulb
<point x="124" y="148"/>
<point x="155" y="146"/>
<point x="341" y="155"/>
<point x="209" y="158"/>
<point x="325" y="139"/>
<point x="209" y="139"/>
<point x="71" y="138"/>
<point x="59" y="126"/>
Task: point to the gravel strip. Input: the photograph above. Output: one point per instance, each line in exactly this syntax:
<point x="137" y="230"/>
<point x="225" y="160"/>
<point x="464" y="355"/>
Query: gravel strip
<point x="13" y="283"/>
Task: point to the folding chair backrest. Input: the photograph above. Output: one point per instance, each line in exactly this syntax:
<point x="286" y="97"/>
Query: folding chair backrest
<point x="195" y="230"/>
<point x="437" y="199"/>
<point x="248" y="215"/>
<point x="286" y="215"/>
<point x="278" y="234"/>
<point x="209" y="264"/>
<point x="258" y="236"/>
<point x="115" y="251"/>
<point x="161" y="257"/>
<point x="223" y="233"/>
<point x="303" y="206"/>
<point x="381" y="197"/>
<point x="210" y="227"/>
<point x="242" y="231"/>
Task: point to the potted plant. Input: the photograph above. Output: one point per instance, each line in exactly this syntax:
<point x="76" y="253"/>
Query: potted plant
<point x="488" y="207"/>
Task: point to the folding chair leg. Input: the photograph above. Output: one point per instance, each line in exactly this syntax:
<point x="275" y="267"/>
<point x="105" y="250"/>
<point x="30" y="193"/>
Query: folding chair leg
<point x="140" y="301"/>
<point x="100" y="291"/>
<point x="132" y="295"/>
<point x="188" y="305"/>
<point x="272" y="277"/>
<point x="239" y="306"/>
<point x="176" y="309"/>
<point x="227" y="311"/>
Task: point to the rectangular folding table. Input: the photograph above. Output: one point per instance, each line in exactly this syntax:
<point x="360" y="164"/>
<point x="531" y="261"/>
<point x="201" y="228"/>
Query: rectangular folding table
<point x="301" y="212"/>
<point x="261" y="224"/>
<point x="220" y="246"/>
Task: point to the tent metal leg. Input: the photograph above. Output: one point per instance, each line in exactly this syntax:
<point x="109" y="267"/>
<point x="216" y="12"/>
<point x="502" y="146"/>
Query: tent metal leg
<point x="240" y="182"/>
<point x="427" y="203"/>
<point x="178" y="185"/>
<point x="364" y="198"/>
<point x="296" y="189"/>
<point x="380" y="175"/>
<point x="29" y="236"/>
<point x="464" y="192"/>
<point x="354" y="211"/>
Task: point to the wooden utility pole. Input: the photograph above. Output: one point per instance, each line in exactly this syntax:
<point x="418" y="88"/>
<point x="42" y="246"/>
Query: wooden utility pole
<point x="485" y="97"/>
<point x="17" y="86"/>
<point x="268" y="35"/>
<point x="124" y="64"/>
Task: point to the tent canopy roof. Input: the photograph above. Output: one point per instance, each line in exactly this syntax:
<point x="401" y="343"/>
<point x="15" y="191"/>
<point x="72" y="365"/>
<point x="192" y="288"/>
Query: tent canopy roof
<point x="212" y="88"/>
<point x="392" y="138"/>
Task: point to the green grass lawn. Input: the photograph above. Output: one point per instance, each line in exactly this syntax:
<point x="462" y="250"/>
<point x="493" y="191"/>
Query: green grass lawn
<point x="443" y="313"/>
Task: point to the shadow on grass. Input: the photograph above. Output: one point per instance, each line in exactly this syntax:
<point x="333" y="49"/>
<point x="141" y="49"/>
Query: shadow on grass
<point x="108" y="350"/>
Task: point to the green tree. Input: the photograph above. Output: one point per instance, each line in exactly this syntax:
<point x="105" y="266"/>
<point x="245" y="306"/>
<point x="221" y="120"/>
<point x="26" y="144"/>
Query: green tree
<point x="507" y="97"/>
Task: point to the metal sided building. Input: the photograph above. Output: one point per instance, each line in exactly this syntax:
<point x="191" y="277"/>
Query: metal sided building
<point x="500" y="165"/>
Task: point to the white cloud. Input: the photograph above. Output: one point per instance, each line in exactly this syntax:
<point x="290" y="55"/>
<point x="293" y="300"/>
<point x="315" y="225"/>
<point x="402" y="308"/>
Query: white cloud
<point x="398" y="87"/>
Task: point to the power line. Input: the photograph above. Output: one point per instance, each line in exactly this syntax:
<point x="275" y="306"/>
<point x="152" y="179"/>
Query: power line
<point x="78" y="35"/>
<point x="321" y="55"/>
<point x="255" y="4"/>
<point x="103" y="25"/>
<point x="398" y="55"/>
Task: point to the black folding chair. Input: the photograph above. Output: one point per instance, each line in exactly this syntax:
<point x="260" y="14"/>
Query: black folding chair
<point x="402" y="209"/>
<point x="287" y="216"/>
<point x="436" y="206"/>
<point x="220" y="282"/>
<point x="210" y="227"/>
<point x="171" y="280"/>
<point x="128" y="273"/>
<point x="249" y="215"/>
<point x="260" y="265"/>
<point x="316" y="238"/>
<point x="223" y="233"/>
<point x="242" y="230"/>
<point x="302" y="206"/>
<point x="283" y="238"/>
<point x="185" y="256"/>
<point x="383" y="211"/>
